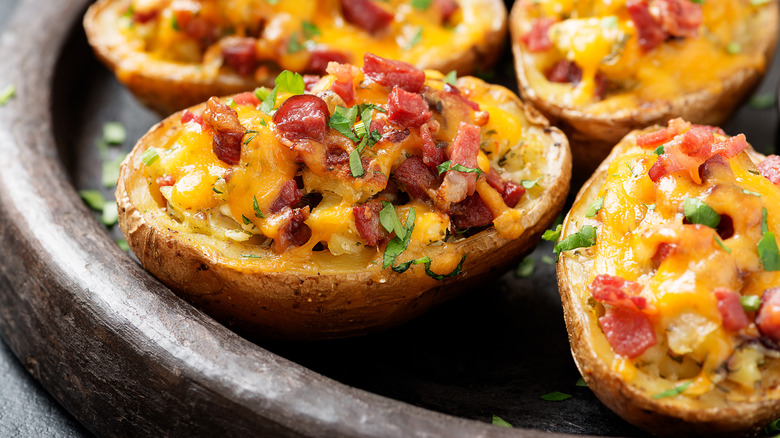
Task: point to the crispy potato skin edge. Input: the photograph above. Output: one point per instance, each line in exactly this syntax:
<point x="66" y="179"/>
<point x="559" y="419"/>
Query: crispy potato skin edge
<point x="657" y="416"/>
<point x="166" y="87"/>
<point x="593" y="136"/>
<point x="290" y="305"/>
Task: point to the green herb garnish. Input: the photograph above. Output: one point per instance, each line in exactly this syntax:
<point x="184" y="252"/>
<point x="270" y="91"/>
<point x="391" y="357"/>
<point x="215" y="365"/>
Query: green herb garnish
<point x="528" y="183"/>
<point x="733" y="48"/>
<point x="584" y="238"/>
<point x="246" y="220"/>
<point x="698" y="212"/>
<point x="150" y="156"/>
<point x="498" y="421"/>
<point x="594" y="207"/>
<point x="111" y="171"/>
<point x="721" y="244"/>
<point x="389" y="220"/>
<point x="251" y="256"/>
<point x="762" y="101"/>
<point x="416" y="38"/>
<point x="421" y="4"/>
<point x="93" y="198"/>
<point x="552" y="235"/>
<point x="7" y="93"/>
<point x="398" y="245"/>
<point x="447" y="165"/>
<point x="451" y="77"/>
<point x="256" y="208"/>
<point x="659" y="150"/>
<point x="526" y="268"/>
<point x="750" y="303"/>
<point x="114" y="133"/>
<point x="556" y="396"/>
<point x="677" y="390"/>
<point x="123" y="244"/>
<point x="289" y="82"/>
<point x="581" y="382"/>
<point x="251" y="137"/>
<point x="310" y="30"/>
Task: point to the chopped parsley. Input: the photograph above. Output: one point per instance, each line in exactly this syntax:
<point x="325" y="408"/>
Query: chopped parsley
<point x="584" y="238"/>
<point x="594" y="207"/>
<point x="677" y="390"/>
<point x="251" y="256"/>
<point x="310" y="30"/>
<point x="246" y="220"/>
<point x="251" y="137"/>
<point x="389" y="220"/>
<point x="426" y="261"/>
<point x="547" y="260"/>
<point x="762" y="101"/>
<point x="659" y="150"/>
<point x="556" y="396"/>
<point x="526" y="268"/>
<point x="528" y="183"/>
<point x="398" y="245"/>
<point x="552" y="235"/>
<point x="581" y="382"/>
<point x="451" y="77"/>
<point x="767" y="247"/>
<point x="721" y="244"/>
<point x="256" y="208"/>
<point x="698" y="212"/>
<point x="498" y="421"/>
<point x="289" y="82"/>
<point x="421" y="4"/>
<point x="447" y="165"/>
<point x="294" y="44"/>
<point x="344" y="121"/>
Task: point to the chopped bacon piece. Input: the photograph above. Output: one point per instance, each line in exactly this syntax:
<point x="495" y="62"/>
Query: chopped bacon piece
<point x="768" y="316"/>
<point x="303" y="116"/>
<point x="246" y="98"/>
<point x="538" y="38"/>
<point x="336" y="156"/>
<point x="510" y="191"/>
<point x="388" y="131"/>
<point x="389" y="73"/>
<point x="662" y="251"/>
<point x="731" y="311"/>
<point x="188" y="116"/>
<point x="165" y="180"/>
<point x="289" y="195"/>
<point x="144" y="16"/>
<point x="566" y="71"/>
<point x="652" y="139"/>
<point x="366" y="14"/>
<point x="190" y="20"/>
<point x="471" y="212"/>
<point x="679" y="18"/>
<point x="650" y="32"/>
<point x="688" y="151"/>
<point x="447" y="8"/>
<point x="618" y="292"/>
<point x="310" y="80"/>
<point x="239" y="54"/>
<point x="714" y="165"/>
<point x="344" y="85"/>
<point x="464" y="151"/>
<point x="731" y="146"/>
<point x="368" y="224"/>
<point x="770" y="168"/>
<point x="455" y="91"/>
<point x="228" y="131"/>
<point x="628" y="330"/>
<point x="415" y="177"/>
<point x="432" y="154"/>
<point x="293" y="231"/>
<point x="407" y="109"/>
<point x="321" y="57"/>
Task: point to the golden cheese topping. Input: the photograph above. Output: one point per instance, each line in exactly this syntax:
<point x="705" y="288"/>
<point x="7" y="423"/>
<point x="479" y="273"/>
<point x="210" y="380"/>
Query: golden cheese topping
<point x="682" y="265"/>
<point x="604" y="56"/>
<point x="354" y="173"/>
<point x="248" y="36"/>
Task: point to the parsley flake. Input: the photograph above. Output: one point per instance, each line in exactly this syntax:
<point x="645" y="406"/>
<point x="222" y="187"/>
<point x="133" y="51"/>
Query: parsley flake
<point x="451" y="77"/>
<point x="398" y="245"/>
<point x="389" y="220"/>
<point x="552" y="235"/>
<point x="584" y="238"/>
<point x="556" y="396"/>
<point x="528" y="183"/>
<point x="698" y="212"/>
<point x="594" y="207"/>
<point x="526" y="268"/>
<point x="256" y="208"/>
<point x="677" y="390"/>
<point x="498" y="421"/>
<point x="246" y="220"/>
<point x="421" y="4"/>
<point x="289" y="82"/>
<point x="659" y="150"/>
<point x="762" y="101"/>
<point x="447" y="165"/>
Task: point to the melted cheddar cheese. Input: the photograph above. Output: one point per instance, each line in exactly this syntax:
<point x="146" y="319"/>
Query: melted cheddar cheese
<point x="615" y="71"/>
<point x="644" y="236"/>
<point x="286" y="33"/>
<point x="233" y="204"/>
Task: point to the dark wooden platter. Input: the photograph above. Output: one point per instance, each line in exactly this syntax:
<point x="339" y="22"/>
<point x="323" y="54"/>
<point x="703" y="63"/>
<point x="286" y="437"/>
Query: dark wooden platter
<point x="127" y="357"/>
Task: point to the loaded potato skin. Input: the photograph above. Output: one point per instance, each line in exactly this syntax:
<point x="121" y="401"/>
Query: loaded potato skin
<point x="341" y="206"/>
<point x="667" y="274"/>
<point x="601" y="69"/>
<point x="176" y="53"/>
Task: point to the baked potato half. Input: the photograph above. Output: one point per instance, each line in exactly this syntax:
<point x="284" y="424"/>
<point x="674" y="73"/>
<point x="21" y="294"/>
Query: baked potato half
<point x="349" y="208"/>
<point x="176" y="53"/>
<point x="601" y="69"/>
<point x="668" y="272"/>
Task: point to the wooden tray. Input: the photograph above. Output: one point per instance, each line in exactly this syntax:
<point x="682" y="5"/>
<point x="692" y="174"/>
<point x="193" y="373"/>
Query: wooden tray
<point x="127" y="357"/>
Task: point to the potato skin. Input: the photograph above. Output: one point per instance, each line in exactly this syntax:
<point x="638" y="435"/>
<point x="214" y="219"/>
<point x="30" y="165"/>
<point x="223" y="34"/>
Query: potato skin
<point x="308" y="304"/>
<point x="592" y="136"/>
<point x="166" y="86"/>
<point x="658" y="416"/>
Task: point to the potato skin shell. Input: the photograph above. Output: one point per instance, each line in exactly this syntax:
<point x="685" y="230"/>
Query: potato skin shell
<point x="657" y="416"/>
<point x="592" y="136"/>
<point x="315" y="305"/>
<point x="166" y="86"/>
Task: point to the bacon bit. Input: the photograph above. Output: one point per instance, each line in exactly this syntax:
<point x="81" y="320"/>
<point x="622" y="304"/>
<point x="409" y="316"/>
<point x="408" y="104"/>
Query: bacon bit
<point x="510" y="192"/>
<point x="415" y="177"/>
<point x="770" y="168"/>
<point x="407" y="109"/>
<point x="239" y="54"/>
<point x="190" y="21"/>
<point x="367" y="223"/>
<point x="679" y="18"/>
<point x="336" y="157"/>
<point x="471" y="212"/>
<point x="768" y="316"/>
<point x="366" y="14"/>
<point x="142" y="17"/>
<point x="650" y="32"/>
<point x="303" y="116"/>
<point x="187" y="116"/>
<point x="432" y="155"/>
<point x="662" y="251"/>
<point x="455" y="91"/>
<point x="654" y="139"/>
<point x="228" y="131"/>
<point x="731" y="311"/>
<point x="628" y="331"/>
<point x="310" y="80"/>
<point x="293" y="232"/>
<point x="688" y="151"/>
<point x="464" y="151"/>
<point x="246" y="98"/>
<point x="447" y="8"/>
<point x="538" y="38"/>
<point x="389" y="72"/>
<point x="289" y="195"/>
<point x="617" y="292"/>
<point x="344" y="85"/>
<point x="567" y="72"/>
<point x="714" y="165"/>
<point x="165" y="181"/>
<point x="321" y="57"/>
